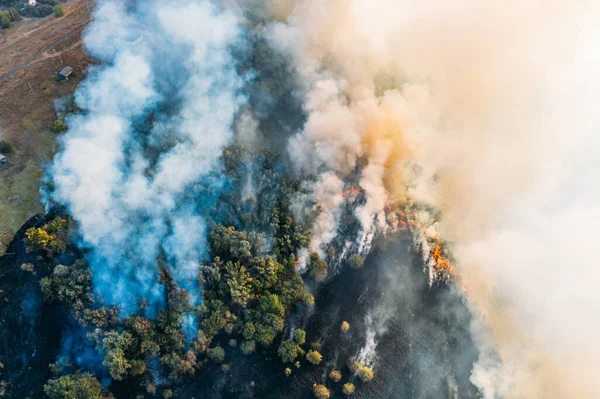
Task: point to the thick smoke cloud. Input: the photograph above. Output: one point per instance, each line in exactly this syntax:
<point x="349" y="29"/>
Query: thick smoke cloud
<point x="128" y="183"/>
<point x="495" y="103"/>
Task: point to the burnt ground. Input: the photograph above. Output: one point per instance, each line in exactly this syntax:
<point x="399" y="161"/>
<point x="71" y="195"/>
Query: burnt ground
<point x="424" y="349"/>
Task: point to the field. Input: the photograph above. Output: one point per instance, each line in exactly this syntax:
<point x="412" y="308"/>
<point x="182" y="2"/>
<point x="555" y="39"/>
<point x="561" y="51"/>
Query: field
<point x="32" y="51"/>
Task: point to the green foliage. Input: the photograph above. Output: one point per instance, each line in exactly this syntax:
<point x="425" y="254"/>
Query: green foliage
<point x="354" y="366"/>
<point x="38" y="11"/>
<point x="356" y="261"/>
<point x="299" y="336"/>
<point x="51" y="237"/>
<point x="68" y="285"/>
<point x="365" y="374"/>
<point x="317" y="267"/>
<point x="58" y="126"/>
<point x="314" y="357"/>
<point x="28" y="267"/>
<point x="267" y="319"/>
<point x="348" y="389"/>
<point x="6" y="147"/>
<point x="335" y="375"/>
<point x="290" y="236"/>
<point x="58" y="11"/>
<point x="247" y="347"/>
<point x="76" y="386"/>
<point x="320" y="391"/>
<point x="289" y="351"/>
<point x="344" y="327"/>
<point x="4" y="20"/>
<point x="216" y="354"/>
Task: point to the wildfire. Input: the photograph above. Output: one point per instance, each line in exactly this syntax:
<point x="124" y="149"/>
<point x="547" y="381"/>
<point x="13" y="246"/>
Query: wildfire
<point x="353" y="191"/>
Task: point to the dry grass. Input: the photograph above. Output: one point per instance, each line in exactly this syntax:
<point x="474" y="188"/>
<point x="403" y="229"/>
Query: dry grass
<point x="26" y="105"/>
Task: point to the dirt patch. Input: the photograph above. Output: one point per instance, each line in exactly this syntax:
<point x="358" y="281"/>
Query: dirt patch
<point x="33" y="51"/>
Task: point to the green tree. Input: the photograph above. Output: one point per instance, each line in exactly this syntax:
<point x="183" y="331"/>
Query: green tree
<point x="216" y="354"/>
<point x="320" y="391"/>
<point x="314" y="357"/>
<point x="317" y="267"/>
<point x="348" y="389"/>
<point x="76" y="386"/>
<point x="288" y="351"/>
<point x="58" y="11"/>
<point x="4" y="20"/>
<point x="58" y="126"/>
<point x="299" y="336"/>
<point x="356" y="261"/>
<point x="247" y="347"/>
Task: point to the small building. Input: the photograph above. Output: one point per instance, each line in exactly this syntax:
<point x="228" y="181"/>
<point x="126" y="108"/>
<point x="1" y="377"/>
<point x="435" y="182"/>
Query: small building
<point x="3" y="160"/>
<point x="65" y="73"/>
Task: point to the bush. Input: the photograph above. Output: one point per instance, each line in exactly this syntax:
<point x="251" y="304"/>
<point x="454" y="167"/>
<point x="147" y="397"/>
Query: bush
<point x="317" y="267"/>
<point x="314" y="357"/>
<point x="356" y="261"/>
<point x="320" y="391"/>
<point x="335" y="375"/>
<point x="4" y="20"/>
<point x="345" y="327"/>
<point x="216" y="354"/>
<point x="288" y="351"/>
<point x="247" y="347"/>
<point x="58" y="126"/>
<point x="6" y="147"/>
<point x="365" y="374"/>
<point x="299" y="336"/>
<point x="348" y="389"/>
<point x="78" y="386"/>
<point x="58" y="11"/>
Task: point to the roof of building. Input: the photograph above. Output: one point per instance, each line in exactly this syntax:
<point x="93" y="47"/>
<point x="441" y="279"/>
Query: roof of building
<point x="66" y="71"/>
<point x="2" y="157"/>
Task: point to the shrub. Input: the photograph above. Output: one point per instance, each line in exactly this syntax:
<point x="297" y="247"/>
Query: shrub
<point x="356" y="261"/>
<point x="216" y="354"/>
<point x="299" y="336"/>
<point x="348" y="389"/>
<point x="28" y="267"/>
<point x="58" y="11"/>
<point x="289" y="351"/>
<point x="345" y="327"/>
<point x="6" y="147"/>
<point x="320" y="391"/>
<point x="317" y="267"/>
<point x="287" y="371"/>
<point x="314" y="357"/>
<point x="335" y="375"/>
<point x="365" y="374"/>
<point x="247" y="347"/>
<point x="4" y="20"/>
<point x="77" y="386"/>
<point x="58" y="126"/>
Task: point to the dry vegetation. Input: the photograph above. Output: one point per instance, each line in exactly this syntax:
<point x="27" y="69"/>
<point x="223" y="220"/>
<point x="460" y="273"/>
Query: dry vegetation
<point x="31" y="52"/>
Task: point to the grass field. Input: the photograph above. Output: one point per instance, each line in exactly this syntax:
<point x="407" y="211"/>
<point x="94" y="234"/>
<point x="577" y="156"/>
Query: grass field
<point x="31" y="52"/>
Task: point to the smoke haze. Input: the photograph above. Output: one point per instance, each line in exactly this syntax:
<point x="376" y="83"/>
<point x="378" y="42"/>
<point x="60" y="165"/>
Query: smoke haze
<point x="495" y="103"/>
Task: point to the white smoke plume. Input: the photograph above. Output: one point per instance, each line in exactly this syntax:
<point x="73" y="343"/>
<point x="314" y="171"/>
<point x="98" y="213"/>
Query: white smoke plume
<point x="127" y="185"/>
<point x="495" y="101"/>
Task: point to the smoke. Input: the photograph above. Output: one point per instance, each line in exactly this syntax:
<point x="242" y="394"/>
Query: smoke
<point x="157" y="114"/>
<point x="495" y="102"/>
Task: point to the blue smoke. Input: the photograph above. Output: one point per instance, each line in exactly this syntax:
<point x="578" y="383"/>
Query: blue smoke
<point x="158" y="111"/>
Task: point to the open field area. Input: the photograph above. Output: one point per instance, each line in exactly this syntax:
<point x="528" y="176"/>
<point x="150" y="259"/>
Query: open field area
<point x="32" y="51"/>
